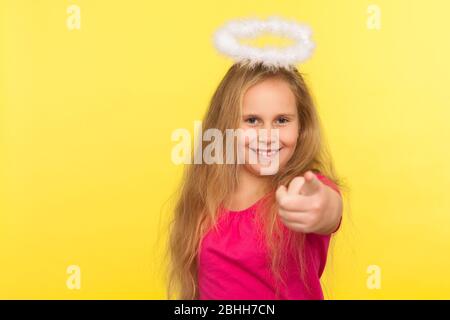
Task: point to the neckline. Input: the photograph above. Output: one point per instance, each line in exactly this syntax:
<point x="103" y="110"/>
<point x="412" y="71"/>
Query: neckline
<point x="250" y="207"/>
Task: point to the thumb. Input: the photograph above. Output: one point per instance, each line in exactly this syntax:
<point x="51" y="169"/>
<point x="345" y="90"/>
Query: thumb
<point x="296" y="185"/>
<point x="311" y="185"/>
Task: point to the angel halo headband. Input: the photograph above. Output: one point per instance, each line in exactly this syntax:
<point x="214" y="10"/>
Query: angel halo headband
<point x="226" y="41"/>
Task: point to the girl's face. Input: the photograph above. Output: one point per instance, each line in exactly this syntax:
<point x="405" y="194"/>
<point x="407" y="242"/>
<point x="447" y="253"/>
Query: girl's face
<point x="269" y="105"/>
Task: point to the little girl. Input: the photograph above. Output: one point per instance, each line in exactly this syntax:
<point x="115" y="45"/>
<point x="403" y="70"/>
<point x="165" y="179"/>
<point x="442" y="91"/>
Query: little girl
<point x="239" y="234"/>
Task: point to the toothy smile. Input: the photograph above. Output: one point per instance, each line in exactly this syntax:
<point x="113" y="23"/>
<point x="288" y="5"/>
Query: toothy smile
<point x="266" y="152"/>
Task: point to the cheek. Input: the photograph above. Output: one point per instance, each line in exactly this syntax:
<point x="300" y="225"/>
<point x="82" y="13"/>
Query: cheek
<point x="248" y="136"/>
<point x="288" y="137"/>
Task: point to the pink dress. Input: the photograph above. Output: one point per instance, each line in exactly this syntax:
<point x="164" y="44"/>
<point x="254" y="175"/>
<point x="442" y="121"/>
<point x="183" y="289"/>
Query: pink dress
<point x="233" y="261"/>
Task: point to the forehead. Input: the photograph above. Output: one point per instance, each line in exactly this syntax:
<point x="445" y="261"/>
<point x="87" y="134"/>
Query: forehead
<point x="273" y="94"/>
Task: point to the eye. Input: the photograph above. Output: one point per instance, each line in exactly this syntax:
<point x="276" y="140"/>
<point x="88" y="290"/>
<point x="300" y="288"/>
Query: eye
<point x="251" y="120"/>
<point x="282" y="120"/>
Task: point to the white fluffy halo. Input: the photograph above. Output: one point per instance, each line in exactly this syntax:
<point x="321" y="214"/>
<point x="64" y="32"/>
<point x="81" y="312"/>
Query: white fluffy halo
<point x="226" y="41"/>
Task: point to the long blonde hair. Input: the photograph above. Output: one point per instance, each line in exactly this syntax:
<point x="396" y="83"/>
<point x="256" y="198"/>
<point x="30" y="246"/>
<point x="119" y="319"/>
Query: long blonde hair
<point x="205" y="187"/>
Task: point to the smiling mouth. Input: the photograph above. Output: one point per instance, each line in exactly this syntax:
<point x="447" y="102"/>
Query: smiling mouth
<point x="267" y="153"/>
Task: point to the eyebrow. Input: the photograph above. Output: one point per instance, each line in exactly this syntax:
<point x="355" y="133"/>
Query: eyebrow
<point x="288" y="115"/>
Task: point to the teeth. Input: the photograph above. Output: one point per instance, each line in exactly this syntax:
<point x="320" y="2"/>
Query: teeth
<point x="266" y="153"/>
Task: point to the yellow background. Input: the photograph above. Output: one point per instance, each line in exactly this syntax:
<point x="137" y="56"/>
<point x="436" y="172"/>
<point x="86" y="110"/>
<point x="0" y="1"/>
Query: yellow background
<point x="86" y="118"/>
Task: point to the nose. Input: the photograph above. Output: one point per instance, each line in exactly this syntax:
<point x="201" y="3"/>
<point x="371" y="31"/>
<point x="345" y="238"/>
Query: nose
<point x="268" y="137"/>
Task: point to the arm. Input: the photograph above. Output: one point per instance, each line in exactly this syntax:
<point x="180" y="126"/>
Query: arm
<point x="335" y="204"/>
